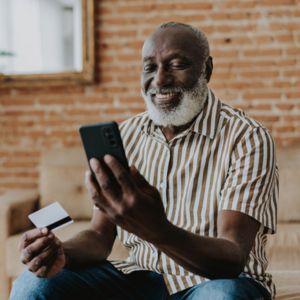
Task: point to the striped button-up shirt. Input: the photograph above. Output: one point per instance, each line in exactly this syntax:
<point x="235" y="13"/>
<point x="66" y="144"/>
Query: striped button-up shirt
<point x="224" y="161"/>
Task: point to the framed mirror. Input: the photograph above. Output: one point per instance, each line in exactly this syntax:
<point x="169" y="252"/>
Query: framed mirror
<point x="46" y="42"/>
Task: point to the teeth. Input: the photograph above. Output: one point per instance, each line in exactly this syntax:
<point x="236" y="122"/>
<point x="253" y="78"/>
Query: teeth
<point x="164" y="96"/>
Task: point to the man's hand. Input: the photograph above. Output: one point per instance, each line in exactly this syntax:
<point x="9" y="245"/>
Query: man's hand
<point x="42" y="252"/>
<point x="127" y="199"/>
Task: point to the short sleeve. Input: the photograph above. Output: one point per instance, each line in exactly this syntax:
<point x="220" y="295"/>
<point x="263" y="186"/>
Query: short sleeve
<point x="251" y="185"/>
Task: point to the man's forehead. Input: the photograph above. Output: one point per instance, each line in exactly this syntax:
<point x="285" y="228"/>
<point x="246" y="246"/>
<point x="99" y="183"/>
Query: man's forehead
<point x="181" y="40"/>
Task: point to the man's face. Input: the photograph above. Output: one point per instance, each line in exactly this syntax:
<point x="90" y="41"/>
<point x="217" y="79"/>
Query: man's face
<point x="172" y="78"/>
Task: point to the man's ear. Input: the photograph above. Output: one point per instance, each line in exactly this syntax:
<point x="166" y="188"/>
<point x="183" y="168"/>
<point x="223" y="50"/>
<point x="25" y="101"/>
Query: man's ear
<point x="208" y="68"/>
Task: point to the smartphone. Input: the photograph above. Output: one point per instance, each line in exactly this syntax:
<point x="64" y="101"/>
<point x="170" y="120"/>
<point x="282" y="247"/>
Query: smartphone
<point x="101" y="139"/>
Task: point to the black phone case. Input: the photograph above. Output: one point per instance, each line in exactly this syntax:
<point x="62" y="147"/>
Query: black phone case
<point x="103" y="138"/>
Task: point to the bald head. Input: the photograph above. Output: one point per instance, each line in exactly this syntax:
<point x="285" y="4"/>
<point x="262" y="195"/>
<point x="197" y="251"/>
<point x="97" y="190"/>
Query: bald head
<point x="200" y="37"/>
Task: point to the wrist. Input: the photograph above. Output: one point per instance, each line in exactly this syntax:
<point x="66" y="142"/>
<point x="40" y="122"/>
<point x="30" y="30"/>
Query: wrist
<point x="164" y="234"/>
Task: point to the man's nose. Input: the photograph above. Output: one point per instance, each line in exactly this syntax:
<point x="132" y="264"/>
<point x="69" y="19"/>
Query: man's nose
<point x="162" y="78"/>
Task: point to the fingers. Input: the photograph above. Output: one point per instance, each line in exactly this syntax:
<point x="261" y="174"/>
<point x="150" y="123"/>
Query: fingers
<point x="94" y="191"/>
<point x="92" y="187"/>
<point x="120" y="173"/>
<point x="53" y="264"/>
<point x="110" y="188"/>
<point x="31" y="235"/>
<point x="45" y="257"/>
<point x="36" y="247"/>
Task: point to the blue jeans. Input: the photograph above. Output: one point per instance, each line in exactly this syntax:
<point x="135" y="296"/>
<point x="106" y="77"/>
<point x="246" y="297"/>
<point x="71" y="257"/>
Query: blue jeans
<point x="105" y="282"/>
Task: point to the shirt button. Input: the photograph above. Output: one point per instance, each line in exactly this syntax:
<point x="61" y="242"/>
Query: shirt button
<point x="161" y="185"/>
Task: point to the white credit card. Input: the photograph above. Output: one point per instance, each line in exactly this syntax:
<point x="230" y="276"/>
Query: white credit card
<point x="52" y="216"/>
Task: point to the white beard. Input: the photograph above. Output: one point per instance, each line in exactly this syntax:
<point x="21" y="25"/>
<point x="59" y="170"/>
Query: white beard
<point x="188" y="108"/>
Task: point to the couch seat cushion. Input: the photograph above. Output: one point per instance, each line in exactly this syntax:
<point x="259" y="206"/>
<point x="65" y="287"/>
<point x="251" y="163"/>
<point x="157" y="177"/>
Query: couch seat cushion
<point x="289" y="173"/>
<point x="283" y="251"/>
<point x="287" y="284"/>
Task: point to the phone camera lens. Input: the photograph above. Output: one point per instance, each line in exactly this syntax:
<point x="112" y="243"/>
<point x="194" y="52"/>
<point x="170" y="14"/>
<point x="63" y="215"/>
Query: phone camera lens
<point x="112" y="142"/>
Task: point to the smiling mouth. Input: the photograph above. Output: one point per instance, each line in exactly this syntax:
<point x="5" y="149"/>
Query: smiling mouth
<point x="167" y="100"/>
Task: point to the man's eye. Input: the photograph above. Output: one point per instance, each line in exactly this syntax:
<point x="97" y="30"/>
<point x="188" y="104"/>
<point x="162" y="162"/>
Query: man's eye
<point x="179" y="65"/>
<point x="149" y="68"/>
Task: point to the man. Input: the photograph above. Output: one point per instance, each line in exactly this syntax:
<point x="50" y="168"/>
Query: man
<point x="195" y="208"/>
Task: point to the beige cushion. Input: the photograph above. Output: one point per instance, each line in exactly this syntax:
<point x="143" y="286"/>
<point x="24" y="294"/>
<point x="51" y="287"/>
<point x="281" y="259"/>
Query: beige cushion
<point x="289" y="175"/>
<point x="287" y="284"/>
<point x="62" y="179"/>
<point x="283" y="249"/>
<point x="14" y="267"/>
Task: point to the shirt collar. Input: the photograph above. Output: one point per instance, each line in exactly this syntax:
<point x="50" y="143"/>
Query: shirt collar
<point x="205" y="123"/>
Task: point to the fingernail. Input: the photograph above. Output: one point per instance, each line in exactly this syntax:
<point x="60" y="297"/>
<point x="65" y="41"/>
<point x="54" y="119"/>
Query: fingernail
<point x="108" y="158"/>
<point x="94" y="163"/>
<point x="43" y="270"/>
<point x="44" y="230"/>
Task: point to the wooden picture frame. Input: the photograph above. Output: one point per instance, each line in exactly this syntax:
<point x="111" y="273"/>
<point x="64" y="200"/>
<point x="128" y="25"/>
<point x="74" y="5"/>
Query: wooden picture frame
<point x="64" y="78"/>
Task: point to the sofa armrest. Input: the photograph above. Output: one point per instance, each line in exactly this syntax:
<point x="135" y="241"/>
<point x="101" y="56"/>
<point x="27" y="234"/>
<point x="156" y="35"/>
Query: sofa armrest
<point x="15" y="206"/>
<point x="14" y="209"/>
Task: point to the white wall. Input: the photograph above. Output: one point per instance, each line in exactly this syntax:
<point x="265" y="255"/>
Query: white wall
<point x="26" y="36"/>
<point x="35" y="31"/>
<point x="5" y="43"/>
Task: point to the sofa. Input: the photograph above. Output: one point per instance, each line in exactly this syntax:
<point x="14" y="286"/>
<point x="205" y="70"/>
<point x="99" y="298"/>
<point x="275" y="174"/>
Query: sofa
<point x="62" y="179"/>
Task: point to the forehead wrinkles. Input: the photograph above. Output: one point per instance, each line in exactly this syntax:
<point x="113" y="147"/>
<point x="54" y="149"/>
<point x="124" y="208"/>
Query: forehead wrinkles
<point x="166" y="41"/>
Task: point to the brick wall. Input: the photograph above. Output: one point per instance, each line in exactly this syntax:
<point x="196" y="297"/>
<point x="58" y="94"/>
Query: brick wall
<point x="256" y="50"/>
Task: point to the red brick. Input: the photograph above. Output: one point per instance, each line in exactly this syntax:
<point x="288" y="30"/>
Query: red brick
<point x="276" y="2"/>
<point x="19" y="185"/>
<point x="293" y="51"/>
<point x="262" y="52"/>
<point x="4" y="91"/>
<point x="194" y="5"/>
<point x="257" y="95"/>
<point x="287" y="38"/>
<point x="291" y="118"/>
<point x="292" y="73"/>
<point x="285" y="129"/>
<point x="57" y="100"/>
<point x="293" y="95"/>
<point x="285" y="106"/>
<point x="261" y="106"/>
<point x="68" y="89"/>
<point x="285" y="26"/>
<point x="19" y="164"/>
<point x="18" y="113"/>
<point x="268" y="118"/>
<point x="18" y="100"/>
<point x="118" y="34"/>
<point x="235" y="5"/>
<point x="260" y="74"/>
<point x="241" y="15"/>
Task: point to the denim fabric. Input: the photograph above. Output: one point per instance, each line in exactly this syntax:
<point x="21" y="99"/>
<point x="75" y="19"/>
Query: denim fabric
<point x="105" y="282"/>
